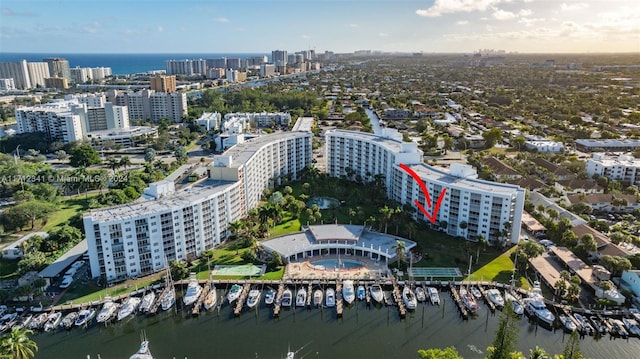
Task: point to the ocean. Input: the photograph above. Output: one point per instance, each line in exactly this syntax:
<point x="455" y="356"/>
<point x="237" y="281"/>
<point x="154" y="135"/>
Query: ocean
<point x="121" y="64"/>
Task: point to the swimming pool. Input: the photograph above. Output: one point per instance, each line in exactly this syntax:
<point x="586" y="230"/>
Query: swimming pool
<point x="335" y="263"/>
<point x="323" y="202"/>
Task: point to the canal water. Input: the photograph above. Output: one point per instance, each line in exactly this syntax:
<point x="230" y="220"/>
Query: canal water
<point x="362" y="332"/>
<point x="375" y="121"/>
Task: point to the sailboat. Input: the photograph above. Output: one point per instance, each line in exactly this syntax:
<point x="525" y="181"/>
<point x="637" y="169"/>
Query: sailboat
<point x="169" y="298"/>
<point x="143" y="352"/>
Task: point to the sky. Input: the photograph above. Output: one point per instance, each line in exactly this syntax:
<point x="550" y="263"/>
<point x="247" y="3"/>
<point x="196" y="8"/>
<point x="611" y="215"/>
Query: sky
<point x="252" y="26"/>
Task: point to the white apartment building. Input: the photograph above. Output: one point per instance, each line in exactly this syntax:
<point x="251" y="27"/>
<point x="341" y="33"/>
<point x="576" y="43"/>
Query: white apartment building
<point x="7" y="84"/>
<point x="18" y="71"/>
<point x="141" y="237"/>
<point x="90" y="99"/>
<point x="623" y="168"/>
<point x="168" y="105"/>
<point x="470" y="207"/>
<point x="38" y="71"/>
<point x="267" y="70"/>
<point x="264" y="119"/>
<point x="59" y="121"/>
<point x="209" y="121"/>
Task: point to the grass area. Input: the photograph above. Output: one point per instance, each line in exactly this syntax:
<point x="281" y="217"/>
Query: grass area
<point x="289" y="226"/>
<point x="68" y="208"/>
<point x="90" y="292"/>
<point x="498" y="270"/>
<point x="8" y="268"/>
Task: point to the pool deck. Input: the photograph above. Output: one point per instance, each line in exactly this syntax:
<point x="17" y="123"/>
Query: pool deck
<point x="302" y="270"/>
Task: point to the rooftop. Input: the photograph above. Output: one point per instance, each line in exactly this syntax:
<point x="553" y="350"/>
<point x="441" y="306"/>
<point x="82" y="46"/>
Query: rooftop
<point x="242" y="152"/>
<point x="608" y="142"/>
<point x="436" y="175"/>
<point x="55" y="268"/>
<point x="389" y="143"/>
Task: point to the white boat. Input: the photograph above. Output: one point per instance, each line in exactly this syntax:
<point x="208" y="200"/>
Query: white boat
<point x="85" y="316"/>
<point x="476" y="292"/>
<point x="330" y="297"/>
<point x="540" y="311"/>
<point x="348" y="293"/>
<point x="536" y="291"/>
<point x="69" y="320"/>
<point x="618" y="328"/>
<point x="317" y="297"/>
<point x="270" y="296"/>
<point x="129" y="307"/>
<point x="495" y="297"/>
<point x="108" y="311"/>
<point x="376" y="293"/>
<point x="409" y="298"/>
<point x="434" y="297"/>
<point x="193" y="292"/>
<point x="361" y="293"/>
<point x="234" y="293"/>
<point x="515" y="303"/>
<point x="469" y="300"/>
<point x="598" y="324"/>
<point x="169" y="298"/>
<point x="143" y="352"/>
<point x="147" y="302"/>
<point x="421" y="295"/>
<point x="301" y="297"/>
<point x="36" y="323"/>
<point x="253" y="298"/>
<point x="54" y="320"/>
<point x="632" y="326"/>
<point x="211" y="299"/>
<point x="567" y="323"/>
<point x="583" y="324"/>
<point x="9" y="320"/>
<point x="286" y="298"/>
<point x="24" y="320"/>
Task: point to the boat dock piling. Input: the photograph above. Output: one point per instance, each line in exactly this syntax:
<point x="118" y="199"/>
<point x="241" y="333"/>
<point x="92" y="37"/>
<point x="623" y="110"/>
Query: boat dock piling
<point x="309" y="295"/>
<point x="154" y="308"/>
<point x="276" y="302"/>
<point x="339" y="299"/>
<point x="205" y="292"/>
<point x="367" y="295"/>
<point x="398" y="298"/>
<point x="456" y="298"/>
<point x="243" y="296"/>
<point x="492" y="307"/>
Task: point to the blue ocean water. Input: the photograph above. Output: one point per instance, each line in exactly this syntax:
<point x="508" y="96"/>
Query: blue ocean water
<point x="121" y="64"/>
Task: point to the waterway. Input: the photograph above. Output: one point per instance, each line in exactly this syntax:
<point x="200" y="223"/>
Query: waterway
<point x="375" y="121"/>
<point x="374" y="332"/>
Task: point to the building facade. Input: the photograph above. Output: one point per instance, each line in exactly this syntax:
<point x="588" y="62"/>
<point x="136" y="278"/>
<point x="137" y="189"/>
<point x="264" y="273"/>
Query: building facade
<point x="38" y="71"/>
<point x="142" y="237"/>
<point x="58" y="67"/>
<point x="623" y="168"/>
<point x="470" y="208"/>
<point x="18" y="71"/>
<point x="163" y="83"/>
<point x="58" y="121"/>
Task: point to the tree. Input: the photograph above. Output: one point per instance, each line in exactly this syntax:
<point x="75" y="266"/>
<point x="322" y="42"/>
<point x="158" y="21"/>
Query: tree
<point x="44" y="192"/>
<point x="400" y="248"/>
<point x="17" y="345"/>
<point x="179" y="270"/>
<point x="149" y="155"/>
<point x="181" y="154"/>
<point x="615" y="264"/>
<point x="519" y="141"/>
<point x="446" y="353"/>
<point x="27" y="212"/>
<point x="125" y="162"/>
<point x="538" y="353"/>
<point x="84" y="156"/>
<point x="492" y="136"/>
<point x="61" y="155"/>
<point x="572" y="349"/>
<point x="506" y="337"/>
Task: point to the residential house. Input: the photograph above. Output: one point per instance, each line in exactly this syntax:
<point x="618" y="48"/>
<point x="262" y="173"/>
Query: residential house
<point x="607" y="202"/>
<point x="500" y="170"/>
<point x="549" y="167"/>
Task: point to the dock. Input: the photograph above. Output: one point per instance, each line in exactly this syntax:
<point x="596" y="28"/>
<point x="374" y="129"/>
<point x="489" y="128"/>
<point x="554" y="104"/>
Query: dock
<point x="154" y="308"/>
<point x="492" y="307"/>
<point x="276" y="302"/>
<point x="205" y="292"/>
<point x="456" y="298"/>
<point x="309" y="295"/>
<point x="398" y="298"/>
<point x="240" y="302"/>
<point x="339" y="303"/>
<point x="367" y="295"/>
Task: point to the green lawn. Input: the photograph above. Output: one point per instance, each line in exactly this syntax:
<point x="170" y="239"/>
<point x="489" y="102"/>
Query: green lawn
<point x="89" y="291"/>
<point x="498" y="270"/>
<point x="8" y="268"/>
<point x="68" y="208"/>
<point x="289" y="226"/>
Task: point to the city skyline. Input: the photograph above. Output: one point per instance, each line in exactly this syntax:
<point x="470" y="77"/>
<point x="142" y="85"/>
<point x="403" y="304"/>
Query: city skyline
<point x="249" y="26"/>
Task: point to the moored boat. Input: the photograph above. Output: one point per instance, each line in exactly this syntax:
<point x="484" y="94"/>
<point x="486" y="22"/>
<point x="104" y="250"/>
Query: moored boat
<point x="515" y="303"/>
<point x="348" y="293"/>
<point x="211" y="298"/>
<point x="376" y="293"/>
<point x="330" y="297"/>
<point x="469" y="300"/>
<point x="143" y="352"/>
<point x="618" y="328"/>
<point x="85" y="316"/>
<point x="583" y="324"/>
<point x="169" y="299"/>
<point x="301" y="297"/>
<point x="108" y="311"/>
<point x="361" y="293"/>
<point x="495" y="297"/>
<point x="409" y="298"/>
<point x="35" y="324"/>
<point x="567" y="323"/>
<point x="129" y="307"/>
<point x="253" y="298"/>
<point x="434" y="297"/>
<point x="286" y="298"/>
<point x="23" y="320"/>
<point x="193" y="291"/>
<point x="53" y="321"/>
<point x="147" y="302"/>
<point x="69" y="320"/>
<point x="475" y="291"/>
<point x="234" y="293"/>
<point x="421" y="295"/>
<point x="632" y="326"/>
<point x="538" y="309"/>
<point x="317" y="297"/>
<point x="270" y="296"/>
<point x="598" y="324"/>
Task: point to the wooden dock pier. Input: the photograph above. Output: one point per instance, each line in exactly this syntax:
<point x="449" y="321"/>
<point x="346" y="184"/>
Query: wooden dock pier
<point x="276" y="302"/>
<point x="154" y="308"/>
<point x="456" y="298"/>
<point x="309" y="295"/>
<point x="339" y="300"/>
<point x="240" y="300"/>
<point x="205" y="292"/>
<point x="398" y="298"/>
<point x="490" y="304"/>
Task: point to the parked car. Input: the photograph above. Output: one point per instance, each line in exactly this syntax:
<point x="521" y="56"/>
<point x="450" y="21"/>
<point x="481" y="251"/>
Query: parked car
<point x="66" y="282"/>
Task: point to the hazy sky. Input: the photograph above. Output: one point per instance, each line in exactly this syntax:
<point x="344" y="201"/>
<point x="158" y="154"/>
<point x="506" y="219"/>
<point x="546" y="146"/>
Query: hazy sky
<point x="183" y="26"/>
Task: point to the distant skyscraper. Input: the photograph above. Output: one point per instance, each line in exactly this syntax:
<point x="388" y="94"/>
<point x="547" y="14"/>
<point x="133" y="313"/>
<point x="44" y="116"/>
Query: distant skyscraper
<point x="279" y="58"/>
<point x="58" y="67"/>
<point x="38" y="71"/>
<point x="233" y="63"/>
<point x="163" y="83"/>
<point x="18" y="71"/>
<point x="7" y="84"/>
<point x="56" y="83"/>
<point x="220" y="63"/>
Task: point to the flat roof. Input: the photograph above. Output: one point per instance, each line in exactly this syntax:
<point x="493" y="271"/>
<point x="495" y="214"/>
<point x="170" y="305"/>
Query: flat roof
<point x="436" y="175"/>
<point x="303" y="124"/>
<point x="575" y="264"/>
<point x="532" y="224"/>
<point x="242" y="152"/>
<point x="332" y="231"/>
<point x="391" y="144"/>
<point x="547" y="267"/>
<point x="607" y="142"/>
<point x="122" y="132"/>
<point x="57" y="267"/>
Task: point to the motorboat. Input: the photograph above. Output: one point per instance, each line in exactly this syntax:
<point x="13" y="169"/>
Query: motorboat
<point x="317" y="297"/>
<point x="234" y="293"/>
<point x="540" y="311"/>
<point x="618" y="328"/>
<point x="36" y="323"/>
<point x="69" y="320"/>
<point x="169" y="299"/>
<point x="85" y="316"/>
<point x="54" y="320"/>
<point x="536" y="291"/>
<point x="147" y="302"/>
<point x="598" y="324"/>
<point x="9" y="320"/>
<point x="469" y="300"/>
<point x="434" y="297"/>
<point x="632" y="326"/>
<point x="253" y="298"/>
<point x="143" y="352"/>
<point x="109" y="310"/>
<point x="211" y="299"/>
<point x="583" y="324"/>
<point x="129" y="307"/>
<point x="348" y="294"/>
<point x="409" y="298"/>
<point x="475" y="291"/>
<point x="270" y="296"/>
<point x="567" y="323"/>
<point x="22" y="321"/>
<point x="301" y="297"/>
<point x="495" y="297"/>
<point x="515" y="303"/>
<point x="330" y="297"/>
<point x="193" y="291"/>
<point x="286" y="298"/>
<point x="421" y="295"/>
<point x="376" y="293"/>
<point x="361" y="293"/>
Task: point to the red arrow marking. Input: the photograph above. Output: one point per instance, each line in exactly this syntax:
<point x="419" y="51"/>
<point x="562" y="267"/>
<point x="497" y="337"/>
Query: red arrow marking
<point x="425" y="190"/>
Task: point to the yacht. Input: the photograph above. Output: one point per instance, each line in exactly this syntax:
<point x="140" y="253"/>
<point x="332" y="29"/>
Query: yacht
<point x="109" y="310"/>
<point x="567" y="323"/>
<point x="434" y="297"/>
<point x="143" y="352"/>
<point x="301" y="297"/>
<point x="211" y="298"/>
<point x="540" y="311"/>
<point x="69" y="320"/>
<point x="632" y="326"/>
<point x="317" y="297"/>
<point x="147" y="302"/>
<point x="169" y="298"/>
<point x="495" y="297"/>
<point x="618" y="328"/>
<point x="24" y="320"/>
<point x="54" y="320"/>
<point x="270" y="296"/>
<point x="421" y="295"/>
<point x="36" y="323"/>
<point x="129" y="307"/>
<point x="376" y="293"/>
<point x="598" y="324"/>
<point x="583" y="324"/>
<point x="193" y="291"/>
<point x="286" y="298"/>
<point x="85" y="316"/>
<point x="253" y="298"/>
<point x="361" y="293"/>
<point x="476" y="292"/>
<point x="348" y="293"/>
<point x="469" y="301"/>
<point x="515" y="303"/>
<point x="409" y="298"/>
<point x="234" y="293"/>
<point x="330" y="297"/>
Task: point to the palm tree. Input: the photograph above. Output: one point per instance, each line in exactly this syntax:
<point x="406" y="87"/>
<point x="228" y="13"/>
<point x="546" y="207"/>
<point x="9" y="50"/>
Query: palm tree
<point x="113" y="164"/>
<point x="125" y="161"/>
<point x="17" y="345"/>
<point x="401" y="248"/>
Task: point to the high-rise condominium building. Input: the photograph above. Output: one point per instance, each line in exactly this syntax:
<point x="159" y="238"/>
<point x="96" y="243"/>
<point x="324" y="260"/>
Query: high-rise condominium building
<point x="38" y="71"/>
<point x="470" y="207"/>
<point x="59" y="121"/>
<point x="279" y="58"/>
<point x="7" y="84"/>
<point x="18" y="71"/>
<point x="141" y="237"/>
<point x="58" y="67"/>
<point x="163" y="83"/>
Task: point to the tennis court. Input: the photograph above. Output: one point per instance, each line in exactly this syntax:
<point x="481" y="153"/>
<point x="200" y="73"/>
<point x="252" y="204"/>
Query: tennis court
<point x="435" y="272"/>
<point x="241" y="270"/>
